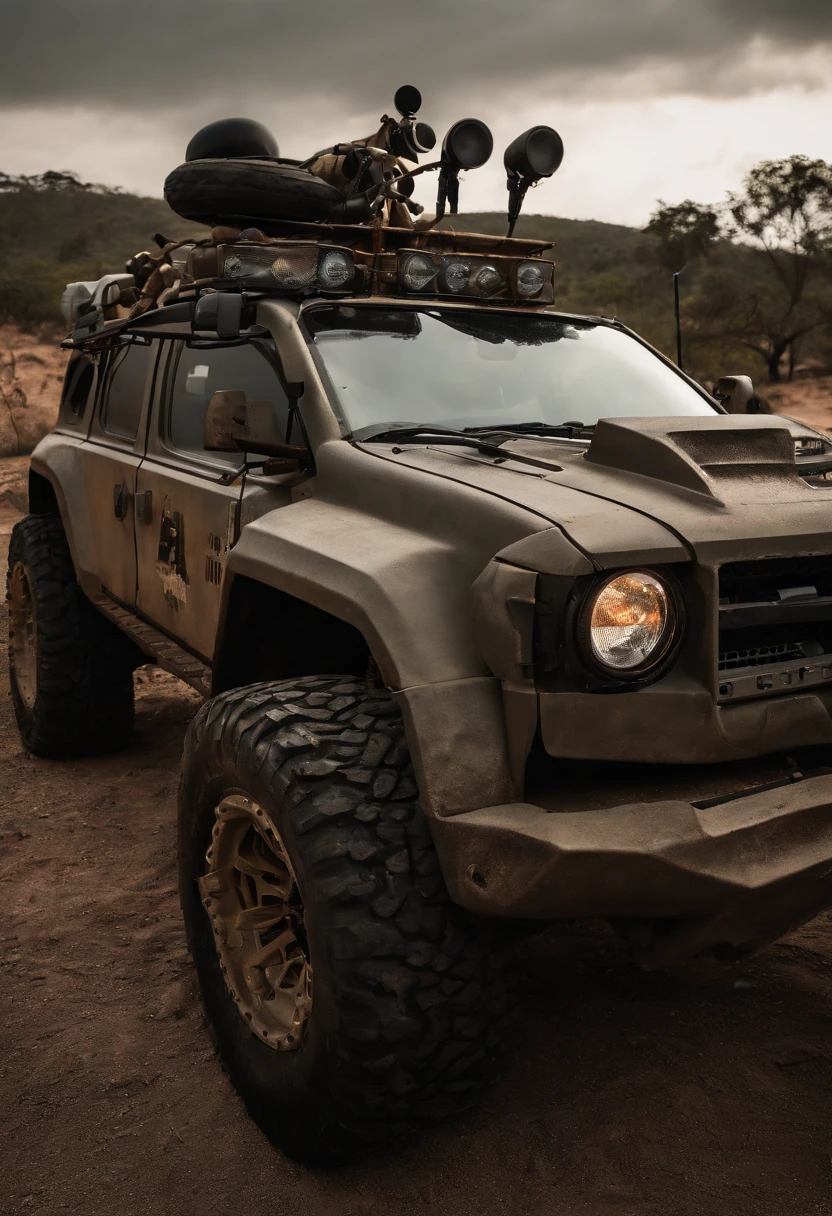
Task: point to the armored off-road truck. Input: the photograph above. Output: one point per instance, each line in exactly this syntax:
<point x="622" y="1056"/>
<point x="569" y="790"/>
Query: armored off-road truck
<point x="499" y="617"/>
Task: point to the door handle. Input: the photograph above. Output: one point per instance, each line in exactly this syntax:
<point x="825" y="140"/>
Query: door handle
<point x="144" y="507"/>
<point x="121" y="501"/>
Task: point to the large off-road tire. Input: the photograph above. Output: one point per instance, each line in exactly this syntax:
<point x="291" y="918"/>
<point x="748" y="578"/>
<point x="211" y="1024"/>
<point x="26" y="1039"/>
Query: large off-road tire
<point x="386" y="1003"/>
<point x="71" y="671"/>
<point x="213" y="191"/>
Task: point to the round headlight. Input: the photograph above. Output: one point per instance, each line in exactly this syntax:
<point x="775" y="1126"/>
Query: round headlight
<point x="335" y="269"/>
<point x="630" y="622"/>
<point x="530" y="280"/>
<point x="486" y="280"/>
<point x="417" y="271"/>
<point x="455" y="274"/>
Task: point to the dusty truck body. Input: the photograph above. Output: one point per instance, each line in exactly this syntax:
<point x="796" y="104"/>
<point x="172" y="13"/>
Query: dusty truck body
<point x="499" y="617"/>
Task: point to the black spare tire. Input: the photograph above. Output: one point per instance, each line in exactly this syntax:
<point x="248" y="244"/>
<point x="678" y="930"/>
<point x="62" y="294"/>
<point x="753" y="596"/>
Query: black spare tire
<point x="214" y="191"/>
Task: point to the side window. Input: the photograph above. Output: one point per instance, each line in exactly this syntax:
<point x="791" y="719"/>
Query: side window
<point x="198" y="374"/>
<point x="126" y="375"/>
<point x="78" y="387"/>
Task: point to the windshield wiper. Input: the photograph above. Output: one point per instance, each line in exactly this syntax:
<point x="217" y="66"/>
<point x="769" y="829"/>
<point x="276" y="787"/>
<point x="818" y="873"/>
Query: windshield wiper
<point x="449" y="437"/>
<point x="569" y="430"/>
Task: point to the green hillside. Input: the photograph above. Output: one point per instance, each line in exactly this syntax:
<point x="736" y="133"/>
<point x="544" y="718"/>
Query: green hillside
<point x="56" y="232"/>
<point x="54" y="229"/>
<point x="53" y="235"/>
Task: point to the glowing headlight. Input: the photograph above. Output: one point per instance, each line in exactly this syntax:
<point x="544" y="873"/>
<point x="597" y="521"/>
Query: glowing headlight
<point x="529" y="280"/>
<point x="486" y="280"/>
<point x="417" y="271"/>
<point x="335" y="269"/>
<point x="455" y="274"/>
<point x="630" y="622"/>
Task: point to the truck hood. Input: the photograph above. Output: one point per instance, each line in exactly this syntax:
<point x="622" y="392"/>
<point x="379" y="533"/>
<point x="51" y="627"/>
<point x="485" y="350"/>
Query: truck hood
<point x="665" y="489"/>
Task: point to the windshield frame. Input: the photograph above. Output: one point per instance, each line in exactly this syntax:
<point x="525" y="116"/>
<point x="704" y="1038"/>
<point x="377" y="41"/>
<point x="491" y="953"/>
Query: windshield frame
<point x="425" y="305"/>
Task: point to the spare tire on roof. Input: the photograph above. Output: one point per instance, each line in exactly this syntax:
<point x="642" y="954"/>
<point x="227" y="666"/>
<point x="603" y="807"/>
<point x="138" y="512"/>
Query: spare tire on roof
<point x="232" y="137"/>
<point x="221" y="190"/>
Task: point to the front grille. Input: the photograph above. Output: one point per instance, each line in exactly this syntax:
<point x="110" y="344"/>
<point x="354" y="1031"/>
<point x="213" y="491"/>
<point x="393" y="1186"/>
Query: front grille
<point x="741" y="582"/>
<point x="759" y="656"/>
<point x="774" y="612"/>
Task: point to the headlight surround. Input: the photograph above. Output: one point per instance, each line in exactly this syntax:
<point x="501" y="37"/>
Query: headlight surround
<point x="486" y="280"/>
<point x="417" y="271"/>
<point x="474" y="276"/>
<point x="529" y="280"/>
<point x="289" y="265"/>
<point x="629" y="622"/>
<point x="455" y="275"/>
<point x="336" y="269"/>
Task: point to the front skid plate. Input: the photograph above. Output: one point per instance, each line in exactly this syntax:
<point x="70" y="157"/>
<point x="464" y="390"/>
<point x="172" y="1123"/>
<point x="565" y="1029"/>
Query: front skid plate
<point x="740" y="872"/>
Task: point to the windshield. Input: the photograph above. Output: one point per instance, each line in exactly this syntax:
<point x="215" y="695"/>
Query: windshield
<point x="466" y="369"/>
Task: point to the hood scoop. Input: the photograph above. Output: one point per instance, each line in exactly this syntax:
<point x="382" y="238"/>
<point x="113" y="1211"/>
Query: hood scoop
<point x="720" y="456"/>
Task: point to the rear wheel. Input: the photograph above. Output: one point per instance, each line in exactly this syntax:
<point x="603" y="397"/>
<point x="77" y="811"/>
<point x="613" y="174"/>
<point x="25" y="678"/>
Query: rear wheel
<point x="348" y="997"/>
<point x="71" y="671"/>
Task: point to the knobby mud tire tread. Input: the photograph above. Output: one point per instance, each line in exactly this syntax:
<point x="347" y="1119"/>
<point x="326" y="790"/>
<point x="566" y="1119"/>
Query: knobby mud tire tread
<point x="84" y="695"/>
<point x="414" y="998"/>
<point x="207" y="191"/>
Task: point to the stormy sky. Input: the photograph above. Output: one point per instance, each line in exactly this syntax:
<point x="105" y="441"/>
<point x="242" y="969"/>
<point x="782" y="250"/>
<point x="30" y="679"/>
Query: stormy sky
<point x="653" y="98"/>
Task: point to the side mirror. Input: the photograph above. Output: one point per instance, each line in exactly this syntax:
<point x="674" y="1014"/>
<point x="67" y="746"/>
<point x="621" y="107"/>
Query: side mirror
<point x="736" y="394"/>
<point x="233" y="424"/>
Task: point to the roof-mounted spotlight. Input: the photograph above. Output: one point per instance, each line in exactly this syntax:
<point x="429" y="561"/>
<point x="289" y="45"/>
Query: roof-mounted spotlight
<point x="467" y="145"/>
<point x="407" y="100"/>
<point x="536" y="153"/>
<point x="409" y="138"/>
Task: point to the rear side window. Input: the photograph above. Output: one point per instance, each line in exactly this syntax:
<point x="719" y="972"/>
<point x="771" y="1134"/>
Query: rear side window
<point x="79" y="381"/>
<point x="198" y="374"/>
<point x="126" y="378"/>
<point x="79" y="386"/>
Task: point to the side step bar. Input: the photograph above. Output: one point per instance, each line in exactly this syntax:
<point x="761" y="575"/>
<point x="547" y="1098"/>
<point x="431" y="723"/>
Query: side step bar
<point x="158" y="646"/>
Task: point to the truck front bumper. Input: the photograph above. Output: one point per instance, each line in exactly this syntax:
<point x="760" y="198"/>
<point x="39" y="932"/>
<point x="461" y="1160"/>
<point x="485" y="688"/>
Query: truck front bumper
<point x="683" y="877"/>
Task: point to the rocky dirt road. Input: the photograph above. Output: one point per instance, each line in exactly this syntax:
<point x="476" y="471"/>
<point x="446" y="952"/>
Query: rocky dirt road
<point x="701" y="1091"/>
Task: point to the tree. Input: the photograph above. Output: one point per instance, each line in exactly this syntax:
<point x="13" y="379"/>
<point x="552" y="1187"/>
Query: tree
<point x="784" y="211"/>
<point x="682" y="232"/>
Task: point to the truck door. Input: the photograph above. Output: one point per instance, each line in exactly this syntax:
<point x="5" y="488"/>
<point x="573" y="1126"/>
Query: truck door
<point x="189" y="498"/>
<point x="111" y="456"/>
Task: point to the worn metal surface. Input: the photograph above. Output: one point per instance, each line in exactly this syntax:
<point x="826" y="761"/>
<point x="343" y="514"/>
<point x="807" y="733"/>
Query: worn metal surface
<point x="156" y="645"/>
<point x="738" y="872"/>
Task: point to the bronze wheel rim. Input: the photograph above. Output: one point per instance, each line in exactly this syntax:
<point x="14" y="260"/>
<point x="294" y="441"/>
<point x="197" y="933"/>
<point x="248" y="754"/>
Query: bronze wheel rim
<point x="251" y="894"/>
<point x="23" y="650"/>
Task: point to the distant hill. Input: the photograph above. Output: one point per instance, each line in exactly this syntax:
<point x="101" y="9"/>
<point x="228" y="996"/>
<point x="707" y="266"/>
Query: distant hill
<point x="55" y="229"/>
<point x="84" y="227"/>
<point x="584" y="246"/>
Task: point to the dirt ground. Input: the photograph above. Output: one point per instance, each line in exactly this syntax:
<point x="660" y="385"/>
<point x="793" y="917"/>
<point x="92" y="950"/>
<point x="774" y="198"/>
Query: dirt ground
<point x="700" y="1091"/>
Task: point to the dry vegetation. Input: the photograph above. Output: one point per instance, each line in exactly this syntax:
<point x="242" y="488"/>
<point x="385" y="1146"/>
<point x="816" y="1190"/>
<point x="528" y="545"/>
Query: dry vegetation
<point x="31" y="375"/>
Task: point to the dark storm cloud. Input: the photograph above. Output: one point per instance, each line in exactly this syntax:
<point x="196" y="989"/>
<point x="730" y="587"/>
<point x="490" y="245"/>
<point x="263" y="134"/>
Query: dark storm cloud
<point x="154" y="54"/>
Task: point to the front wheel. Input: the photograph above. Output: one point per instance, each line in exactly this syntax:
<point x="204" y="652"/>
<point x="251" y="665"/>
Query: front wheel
<point x="348" y="997"/>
